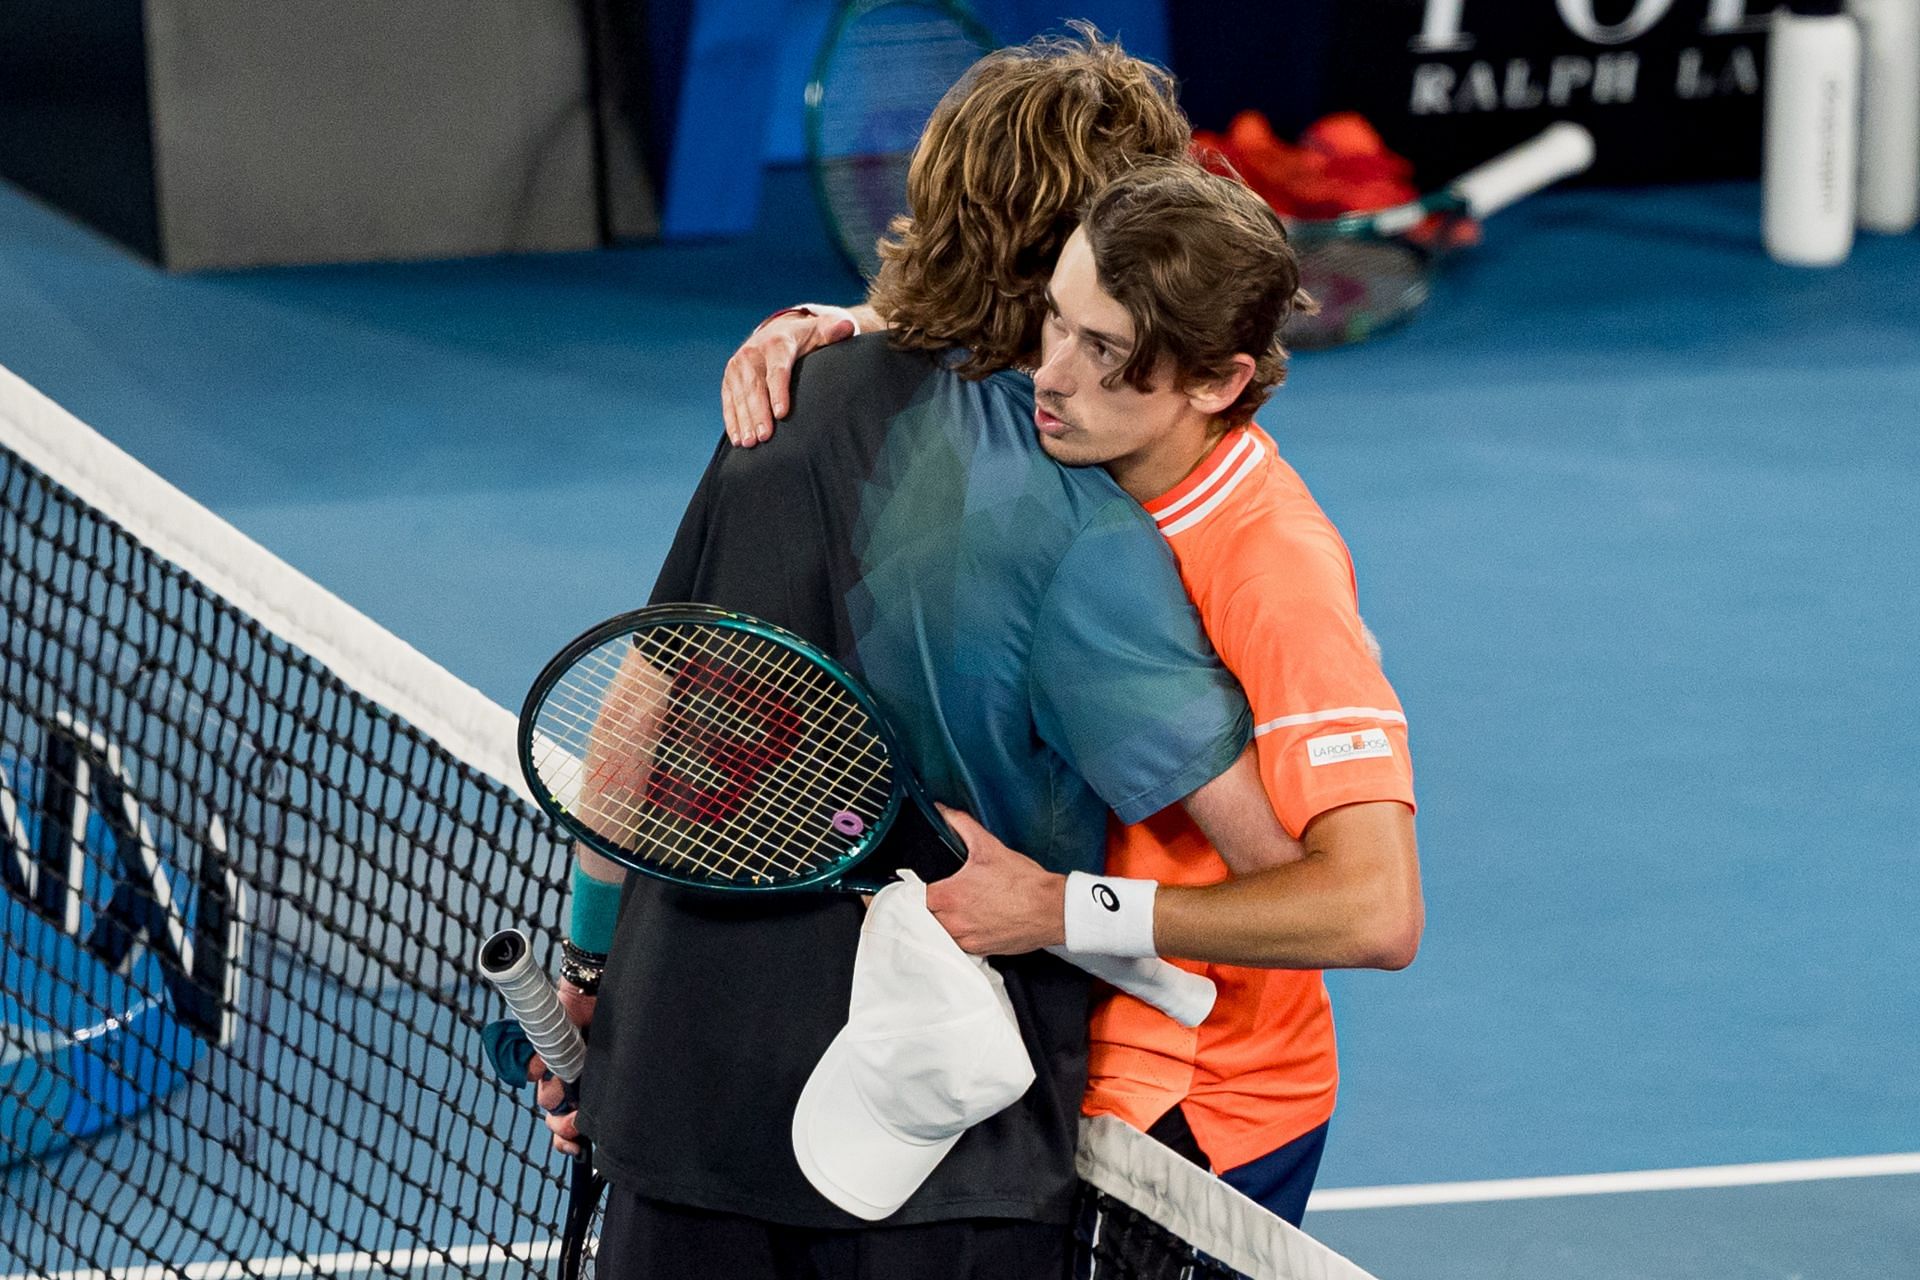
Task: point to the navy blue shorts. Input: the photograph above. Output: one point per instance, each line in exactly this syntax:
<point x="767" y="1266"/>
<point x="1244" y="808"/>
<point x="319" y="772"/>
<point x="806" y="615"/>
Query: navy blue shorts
<point x="1280" y="1180"/>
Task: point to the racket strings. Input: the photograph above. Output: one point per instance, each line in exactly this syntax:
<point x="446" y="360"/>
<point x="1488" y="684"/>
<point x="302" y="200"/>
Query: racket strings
<point x="887" y="70"/>
<point x="714" y="850"/>
<point x="790" y="812"/>
<point x="834" y="732"/>
<point x="672" y="833"/>
<point x="637" y="824"/>
<point x="794" y="803"/>
<point x="722" y="750"/>
<point x="1361" y="285"/>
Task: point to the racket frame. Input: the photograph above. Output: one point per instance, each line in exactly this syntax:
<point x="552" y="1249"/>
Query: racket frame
<point x="837" y="876"/>
<point x="858" y="257"/>
<point x="1559" y="151"/>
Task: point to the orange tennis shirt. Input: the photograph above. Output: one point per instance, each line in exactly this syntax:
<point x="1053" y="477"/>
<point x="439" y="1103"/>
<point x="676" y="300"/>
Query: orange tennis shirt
<point x="1275" y="587"/>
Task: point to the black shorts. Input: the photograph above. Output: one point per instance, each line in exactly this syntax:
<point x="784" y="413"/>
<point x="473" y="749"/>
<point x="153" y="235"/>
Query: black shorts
<point x="644" y="1239"/>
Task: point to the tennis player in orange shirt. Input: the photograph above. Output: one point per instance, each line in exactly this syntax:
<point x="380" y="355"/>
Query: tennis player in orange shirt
<point x="1160" y="341"/>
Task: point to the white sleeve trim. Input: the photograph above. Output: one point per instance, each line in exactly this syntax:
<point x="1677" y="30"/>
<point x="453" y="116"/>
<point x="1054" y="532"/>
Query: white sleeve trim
<point x="1337" y="713"/>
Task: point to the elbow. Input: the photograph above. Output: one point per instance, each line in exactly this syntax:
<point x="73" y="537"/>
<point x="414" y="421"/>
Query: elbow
<point x="1397" y="953"/>
<point x="1392" y="938"/>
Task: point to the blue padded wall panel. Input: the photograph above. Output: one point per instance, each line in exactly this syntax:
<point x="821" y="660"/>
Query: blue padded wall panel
<point x="744" y="66"/>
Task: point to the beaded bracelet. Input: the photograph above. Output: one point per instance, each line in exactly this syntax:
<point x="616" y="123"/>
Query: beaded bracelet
<point x="581" y="968"/>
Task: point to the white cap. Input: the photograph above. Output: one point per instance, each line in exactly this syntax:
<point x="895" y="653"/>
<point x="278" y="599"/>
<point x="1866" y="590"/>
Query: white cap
<point x="931" y="1048"/>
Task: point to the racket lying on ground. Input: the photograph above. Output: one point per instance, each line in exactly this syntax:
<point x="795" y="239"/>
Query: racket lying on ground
<point x="719" y="751"/>
<point x="507" y="962"/>
<point x="881" y="70"/>
<point x="1371" y="270"/>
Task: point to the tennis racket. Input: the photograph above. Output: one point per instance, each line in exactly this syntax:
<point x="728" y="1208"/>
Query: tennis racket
<point x="1369" y="271"/>
<point x="715" y="750"/>
<point x="881" y="70"/>
<point x="506" y="961"/>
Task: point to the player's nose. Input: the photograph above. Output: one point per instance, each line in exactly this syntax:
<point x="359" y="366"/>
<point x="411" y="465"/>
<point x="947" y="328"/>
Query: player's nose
<point x="1052" y="375"/>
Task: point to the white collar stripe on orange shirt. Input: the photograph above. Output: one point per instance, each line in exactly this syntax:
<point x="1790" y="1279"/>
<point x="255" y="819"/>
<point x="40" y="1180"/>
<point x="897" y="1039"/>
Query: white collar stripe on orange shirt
<point x="1206" y="508"/>
<point x="1226" y="463"/>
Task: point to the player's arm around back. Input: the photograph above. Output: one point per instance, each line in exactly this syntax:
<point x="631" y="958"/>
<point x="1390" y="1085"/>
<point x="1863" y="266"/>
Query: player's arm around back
<point x="1351" y="901"/>
<point x="754" y="390"/>
<point x="1293" y="635"/>
<point x="1346" y="897"/>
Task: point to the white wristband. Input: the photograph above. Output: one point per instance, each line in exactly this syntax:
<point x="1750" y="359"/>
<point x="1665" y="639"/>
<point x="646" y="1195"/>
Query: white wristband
<point x="1110" y="916"/>
<point x="827" y="311"/>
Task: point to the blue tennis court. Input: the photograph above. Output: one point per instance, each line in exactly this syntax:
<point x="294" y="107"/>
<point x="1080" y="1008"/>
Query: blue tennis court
<point x="1633" y="510"/>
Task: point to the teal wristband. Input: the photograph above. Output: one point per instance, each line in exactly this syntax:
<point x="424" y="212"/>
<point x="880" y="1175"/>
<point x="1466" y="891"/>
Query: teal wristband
<point x="595" y="911"/>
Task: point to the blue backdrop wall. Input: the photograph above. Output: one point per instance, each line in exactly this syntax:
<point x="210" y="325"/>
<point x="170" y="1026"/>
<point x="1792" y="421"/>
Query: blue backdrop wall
<point x="727" y="78"/>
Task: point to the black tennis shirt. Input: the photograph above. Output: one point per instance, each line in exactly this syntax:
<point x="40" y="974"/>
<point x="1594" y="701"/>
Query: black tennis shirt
<point x="1023" y="627"/>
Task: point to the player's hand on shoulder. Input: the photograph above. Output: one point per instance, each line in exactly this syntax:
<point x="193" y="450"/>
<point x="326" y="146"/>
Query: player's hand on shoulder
<point x="755" y="389"/>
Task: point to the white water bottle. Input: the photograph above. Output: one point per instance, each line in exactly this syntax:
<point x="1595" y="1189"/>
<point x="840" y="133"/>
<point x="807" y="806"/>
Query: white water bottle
<point x="1890" y="115"/>
<point x="1810" y="166"/>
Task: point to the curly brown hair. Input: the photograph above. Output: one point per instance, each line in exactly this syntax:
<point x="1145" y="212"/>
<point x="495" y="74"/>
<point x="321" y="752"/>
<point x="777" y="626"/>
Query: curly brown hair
<point x="1015" y="148"/>
<point x="1203" y="267"/>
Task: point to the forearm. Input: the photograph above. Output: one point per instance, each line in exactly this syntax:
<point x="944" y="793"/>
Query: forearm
<point x="595" y="883"/>
<point x="1351" y="900"/>
<point x="593" y="911"/>
<point x="1309" y="914"/>
<point x="600" y="868"/>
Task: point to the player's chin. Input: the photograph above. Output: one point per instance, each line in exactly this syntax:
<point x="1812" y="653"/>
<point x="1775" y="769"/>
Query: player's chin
<point x="1069" y="451"/>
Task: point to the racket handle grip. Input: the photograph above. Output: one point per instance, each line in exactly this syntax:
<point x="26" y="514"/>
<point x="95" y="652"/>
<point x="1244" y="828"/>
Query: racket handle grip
<point x="1181" y="994"/>
<point x="506" y="961"/>
<point x="1559" y="151"/>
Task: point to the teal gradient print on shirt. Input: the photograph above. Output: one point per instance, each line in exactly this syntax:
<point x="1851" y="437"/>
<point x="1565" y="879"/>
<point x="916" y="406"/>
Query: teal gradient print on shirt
<point x="1010" y="585"/>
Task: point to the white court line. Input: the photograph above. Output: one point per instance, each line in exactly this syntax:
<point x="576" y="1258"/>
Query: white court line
<point x="328" y="1264"/>
<point x="1327" y="1201"/>
<point x="1607" y="1184"/>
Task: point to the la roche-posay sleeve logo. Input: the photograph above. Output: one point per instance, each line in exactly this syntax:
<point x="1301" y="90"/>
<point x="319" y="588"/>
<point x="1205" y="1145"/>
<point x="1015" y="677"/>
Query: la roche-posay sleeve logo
<point x="1336" y="748"/>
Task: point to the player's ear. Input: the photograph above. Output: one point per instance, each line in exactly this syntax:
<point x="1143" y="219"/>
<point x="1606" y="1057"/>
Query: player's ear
<point x="1212" y="396"/>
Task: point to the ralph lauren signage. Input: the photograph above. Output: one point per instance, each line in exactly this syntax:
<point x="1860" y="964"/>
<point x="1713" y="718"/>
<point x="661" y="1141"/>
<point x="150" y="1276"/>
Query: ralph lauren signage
<point x="1670" y="88"/>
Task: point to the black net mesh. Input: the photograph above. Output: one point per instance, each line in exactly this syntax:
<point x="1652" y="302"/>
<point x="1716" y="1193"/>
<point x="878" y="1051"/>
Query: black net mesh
<point x="239" y="901"/>
<point x="1115" y="1241"/>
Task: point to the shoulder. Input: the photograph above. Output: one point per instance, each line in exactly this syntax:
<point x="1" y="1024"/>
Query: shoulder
<point x="1114" y="559"/>
<point x="861" y="368"/>
<point x="1280" y="601"/>
<point x="1274" y="549"/>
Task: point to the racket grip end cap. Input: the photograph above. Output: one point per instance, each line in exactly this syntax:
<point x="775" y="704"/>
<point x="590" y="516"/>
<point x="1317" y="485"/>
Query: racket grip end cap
<point x="502" y="955"/>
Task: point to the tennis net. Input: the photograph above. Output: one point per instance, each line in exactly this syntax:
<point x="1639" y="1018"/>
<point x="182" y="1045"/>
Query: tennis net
<point x="249" y="842"/>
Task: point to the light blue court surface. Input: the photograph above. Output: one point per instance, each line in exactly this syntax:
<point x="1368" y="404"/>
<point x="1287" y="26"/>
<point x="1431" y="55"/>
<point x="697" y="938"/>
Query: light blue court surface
<point x="1635" y="517"/>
